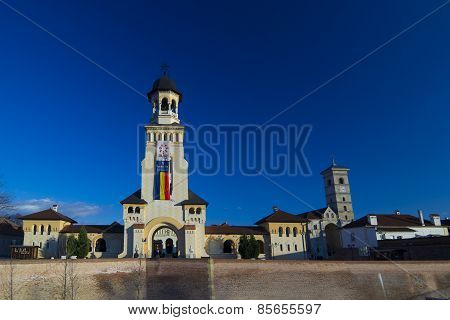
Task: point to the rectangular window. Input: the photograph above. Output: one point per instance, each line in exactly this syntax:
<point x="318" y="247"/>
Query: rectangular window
<point x="281" y="247"/>
<point x="289" y="247"/>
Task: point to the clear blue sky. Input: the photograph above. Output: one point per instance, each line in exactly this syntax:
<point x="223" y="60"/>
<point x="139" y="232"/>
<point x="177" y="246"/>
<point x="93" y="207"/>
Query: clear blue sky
<point x="68" y="129"/>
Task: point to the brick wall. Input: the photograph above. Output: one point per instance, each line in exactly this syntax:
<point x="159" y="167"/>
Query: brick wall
<point x="227" y="279"/>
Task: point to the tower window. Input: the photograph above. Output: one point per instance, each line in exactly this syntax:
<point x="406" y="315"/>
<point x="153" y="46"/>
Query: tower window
<point x="288" y="231"/>
<point x="343" y="199"/>
<point x="49" y="229"/>
<point x="345" y="208"/>
<point x="42" y="230"/>
<point x="165" y="104"/>
<point x="137" y="210"/>
<point x="341" y="180"/>
<point x="294" y="232"/>
<point x="34" y="230"/>
<point x="198" y="210"/>
<point x="280" y="231"/>
<point x="191" y="210"/>
<point x="130" y="209"/>
<point x="173" y="106"/>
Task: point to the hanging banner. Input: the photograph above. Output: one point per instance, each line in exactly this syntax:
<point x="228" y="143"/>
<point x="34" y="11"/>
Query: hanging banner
<point x="162" y="187"/>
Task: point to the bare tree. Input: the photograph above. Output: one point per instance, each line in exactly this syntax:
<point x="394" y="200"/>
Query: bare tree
<point x="139" y="278"/>
<point x="9" y="287"/>
<point x="6" y="205"/>
<point x="68" y="280"/>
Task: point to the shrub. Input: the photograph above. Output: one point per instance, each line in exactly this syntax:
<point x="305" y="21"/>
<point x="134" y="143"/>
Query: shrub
<point x="248" y="247"/>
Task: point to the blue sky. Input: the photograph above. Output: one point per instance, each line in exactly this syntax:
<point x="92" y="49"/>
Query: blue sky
<point x="69" y="129"/>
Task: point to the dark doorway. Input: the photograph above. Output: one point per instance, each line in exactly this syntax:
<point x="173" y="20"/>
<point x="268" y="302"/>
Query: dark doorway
<point x="100" y="245"/>
<point x="157" y="248"/>
<point x="169" y="246"/>
<point x="228" y="246"/>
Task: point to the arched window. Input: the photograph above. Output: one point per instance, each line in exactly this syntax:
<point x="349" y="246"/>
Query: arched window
<point x="341" y="180"/>
<point x="191" y="210"/>
<point x="159" y="137"/>
<point x="42" y="229"/>
<point x="171" y="137"/>
<point x="49" y="229"/>
<point x="165" y="104"/>
<point x="288" y="231"/>
<point x="198" y="210"/>
<point x="228" y="246"/>
<point x="34" y="230"/>
<point x="343" y="199"/>
<point x="130" y="209"/>
<point x="100" y="245"/>
<point x="345" y="208"/>
<point x="177" y="137"/>
<point x="289" y="247"/>
<point x="280" y="231"/>
<point x="295" y="231"/>
<point x="137" y="210"/>
<point x="165" y="137"/>
<point x="173" y="106"/>
<point x="154" y="136"/>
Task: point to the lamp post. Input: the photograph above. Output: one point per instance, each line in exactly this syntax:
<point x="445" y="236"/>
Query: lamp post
<point x="273" y="246"/>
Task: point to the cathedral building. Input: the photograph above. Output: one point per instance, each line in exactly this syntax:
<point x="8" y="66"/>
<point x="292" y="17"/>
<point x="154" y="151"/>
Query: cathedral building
<point x="165" y="218"/>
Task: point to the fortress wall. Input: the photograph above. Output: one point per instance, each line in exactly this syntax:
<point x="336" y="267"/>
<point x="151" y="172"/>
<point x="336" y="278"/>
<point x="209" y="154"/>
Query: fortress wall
<point x="330" y="279"/>
<point x="227" y="279"/>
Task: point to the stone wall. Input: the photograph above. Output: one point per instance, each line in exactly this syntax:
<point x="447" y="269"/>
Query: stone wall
<point x="224" y="279"/>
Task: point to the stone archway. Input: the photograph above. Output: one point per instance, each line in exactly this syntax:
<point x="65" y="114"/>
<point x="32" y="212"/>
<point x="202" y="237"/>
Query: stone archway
<point x="332" y="238"/>
<point x="164" y="243"/>
<point x="163" y="223"/>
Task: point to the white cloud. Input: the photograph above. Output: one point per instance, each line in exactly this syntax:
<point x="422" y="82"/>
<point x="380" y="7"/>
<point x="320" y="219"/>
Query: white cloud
<point x="72" y="209"/>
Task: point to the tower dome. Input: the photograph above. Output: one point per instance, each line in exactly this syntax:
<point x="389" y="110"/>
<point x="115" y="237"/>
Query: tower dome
<point x="164" y="83"/>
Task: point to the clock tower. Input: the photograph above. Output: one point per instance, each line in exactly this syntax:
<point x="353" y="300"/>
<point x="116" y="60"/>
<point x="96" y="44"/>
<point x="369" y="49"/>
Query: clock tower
<point x="337" y="192"/>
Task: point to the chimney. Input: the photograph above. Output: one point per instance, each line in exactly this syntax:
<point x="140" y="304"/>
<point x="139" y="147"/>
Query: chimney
<point x="435" y="219"/>
<point x="422" y="222"/>
<point x="55" y="207"/>
<point x="275" y="209"/>
<point x="372" y="220"/>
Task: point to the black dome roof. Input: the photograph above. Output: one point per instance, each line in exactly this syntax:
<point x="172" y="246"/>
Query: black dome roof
<point x="164" y="83"/>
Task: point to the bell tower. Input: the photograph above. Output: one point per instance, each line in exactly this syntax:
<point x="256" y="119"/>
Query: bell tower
<point x="337" y="192"/>
<point x="164" y="98"/>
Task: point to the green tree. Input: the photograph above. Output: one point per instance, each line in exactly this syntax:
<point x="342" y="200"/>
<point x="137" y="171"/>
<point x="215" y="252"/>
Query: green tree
<point x="83" y="244"/>
<point x="72" y="246"/>
<point x="248" y="247"/>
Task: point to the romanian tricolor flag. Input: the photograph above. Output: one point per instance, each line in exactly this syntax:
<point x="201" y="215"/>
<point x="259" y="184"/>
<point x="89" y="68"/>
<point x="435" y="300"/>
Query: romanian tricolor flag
<point x="162" y="187"/>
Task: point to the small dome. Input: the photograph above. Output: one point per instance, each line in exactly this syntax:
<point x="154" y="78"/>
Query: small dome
<point x="164" y="83"/>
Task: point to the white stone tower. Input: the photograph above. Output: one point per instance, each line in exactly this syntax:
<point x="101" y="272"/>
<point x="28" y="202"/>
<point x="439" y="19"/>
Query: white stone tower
<point x="160" y="223"/>
<point x="337" y="192"/>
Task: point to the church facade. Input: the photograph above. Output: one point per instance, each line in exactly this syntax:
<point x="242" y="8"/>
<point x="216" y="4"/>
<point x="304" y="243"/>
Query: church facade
<point x="165" y="218"/>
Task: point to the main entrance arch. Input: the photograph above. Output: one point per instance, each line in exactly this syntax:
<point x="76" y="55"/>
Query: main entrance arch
<point x="165" y="242"/>
<point x="164" y="237"/>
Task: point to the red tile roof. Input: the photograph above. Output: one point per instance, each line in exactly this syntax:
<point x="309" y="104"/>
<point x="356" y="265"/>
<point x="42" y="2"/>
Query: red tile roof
<point x="238" y="230"/>
<point x="281" y="216"/>
<point x="48" y="214"/>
